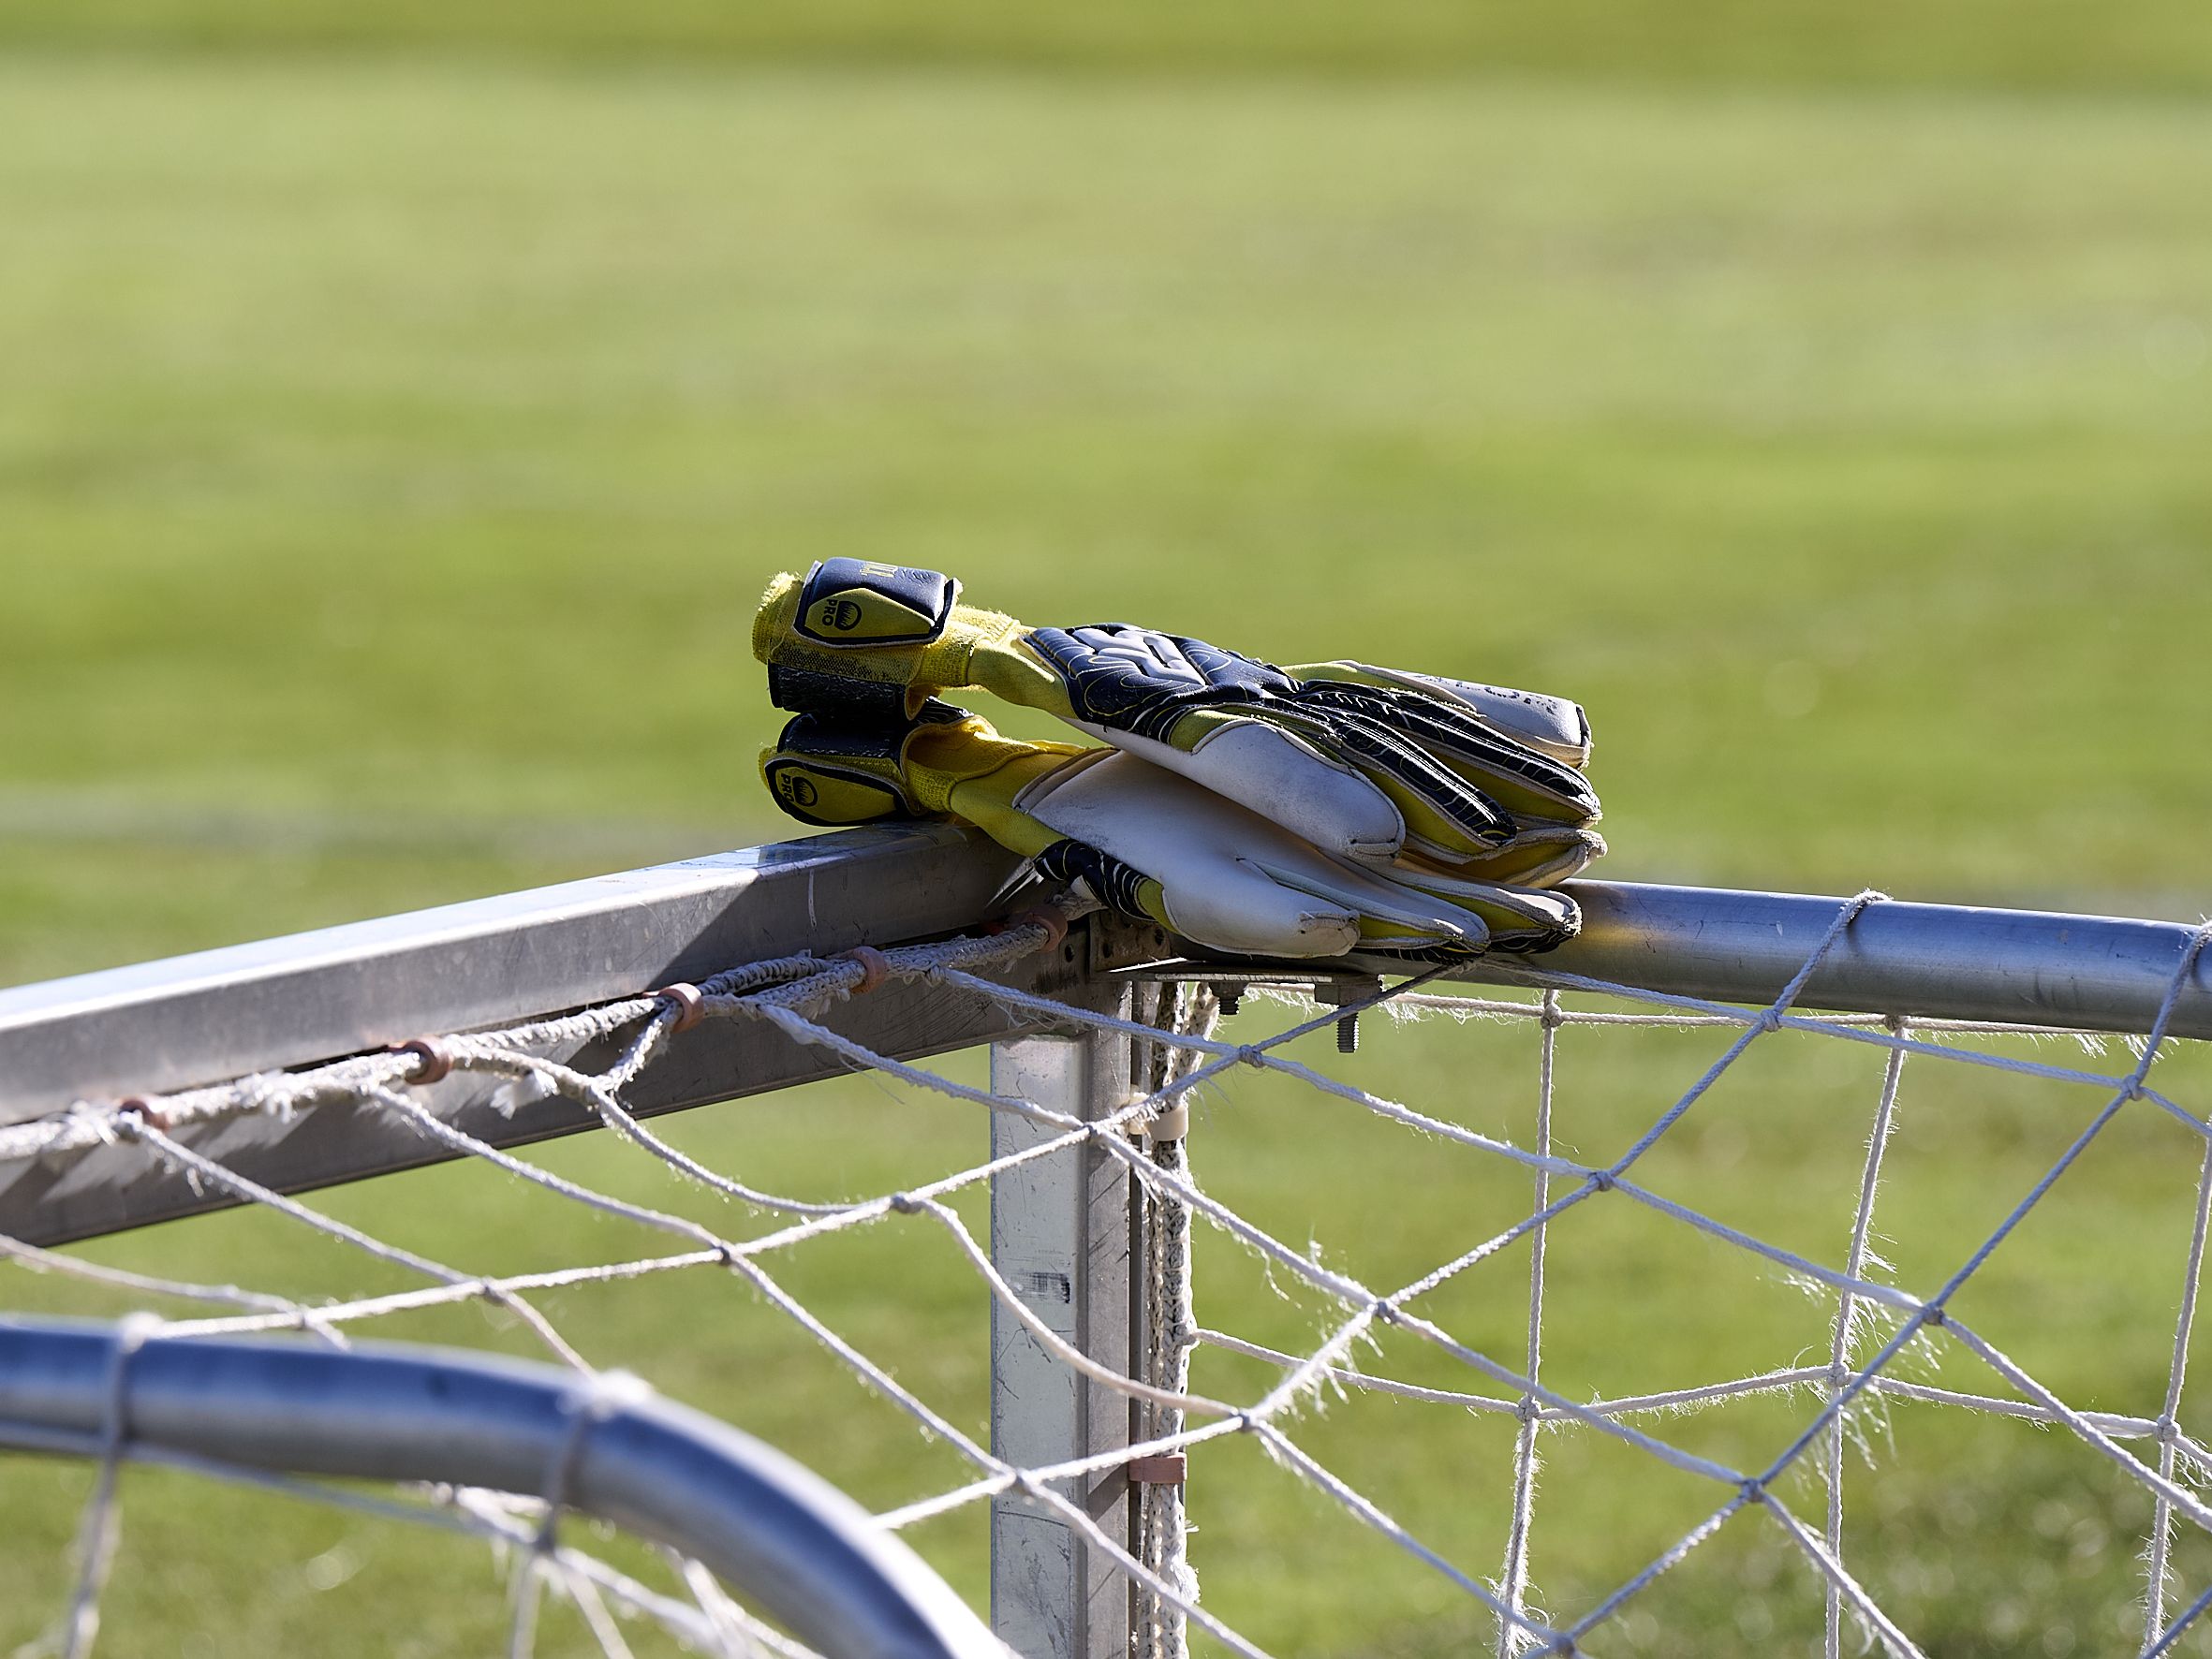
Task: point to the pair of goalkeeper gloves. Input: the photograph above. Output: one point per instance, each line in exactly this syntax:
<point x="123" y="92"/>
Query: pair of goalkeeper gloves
<point x="1301" y="812"/>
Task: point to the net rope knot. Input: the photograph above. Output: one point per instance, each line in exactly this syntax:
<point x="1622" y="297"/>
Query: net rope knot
<point x="135" y="1113"/>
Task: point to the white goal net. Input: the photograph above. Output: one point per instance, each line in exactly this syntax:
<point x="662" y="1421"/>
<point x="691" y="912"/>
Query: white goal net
<point x="1585" y="1316"/>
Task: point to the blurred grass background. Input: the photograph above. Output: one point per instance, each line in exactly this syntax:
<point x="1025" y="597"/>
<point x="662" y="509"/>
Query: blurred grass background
<point x="402" y="407"/>
<point x="2064" y="45"/>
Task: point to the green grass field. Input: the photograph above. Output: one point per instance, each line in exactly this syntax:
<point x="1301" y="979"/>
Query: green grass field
<point x="391" y="451"/>
<point x="2157" y="46"/>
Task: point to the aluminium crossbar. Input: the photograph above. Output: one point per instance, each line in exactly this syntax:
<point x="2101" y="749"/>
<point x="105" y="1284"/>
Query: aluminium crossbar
<point x="286" y="1003"/>
<point x="161" y="1026"/>
<point x="1944" y="962"/>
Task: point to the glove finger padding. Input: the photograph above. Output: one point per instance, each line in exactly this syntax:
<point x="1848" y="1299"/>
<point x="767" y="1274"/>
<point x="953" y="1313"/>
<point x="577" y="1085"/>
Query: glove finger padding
<point x="1363" y="762"/>
<point x="1147" y="843"/>
<point x="1541" y="855"/>
<point x="1550" y="725"/>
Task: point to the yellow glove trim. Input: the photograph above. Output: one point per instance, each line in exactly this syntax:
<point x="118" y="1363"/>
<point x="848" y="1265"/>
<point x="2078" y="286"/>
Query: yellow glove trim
<point x="970" y="771"/>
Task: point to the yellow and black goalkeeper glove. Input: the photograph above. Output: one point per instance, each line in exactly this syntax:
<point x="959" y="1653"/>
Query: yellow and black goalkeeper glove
<point x="1147" y="842"/>
<point x="1373" y="764"/>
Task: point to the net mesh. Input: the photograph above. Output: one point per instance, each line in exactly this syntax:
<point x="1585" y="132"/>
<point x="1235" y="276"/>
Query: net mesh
<point x="1882" y="1341"/>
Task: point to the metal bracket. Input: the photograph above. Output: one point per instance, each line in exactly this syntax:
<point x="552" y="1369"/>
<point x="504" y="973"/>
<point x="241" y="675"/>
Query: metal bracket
<point x="1120" y="944"/>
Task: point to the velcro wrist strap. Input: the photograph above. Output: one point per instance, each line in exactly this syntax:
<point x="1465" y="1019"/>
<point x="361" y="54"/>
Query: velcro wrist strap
<point x="835" y="698"/>
<point x="825" y="738"/>
<point x="854" y="602"/>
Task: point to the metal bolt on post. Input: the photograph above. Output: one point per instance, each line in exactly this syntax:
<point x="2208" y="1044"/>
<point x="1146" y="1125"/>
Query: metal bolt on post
<point x="1341" y="990"/>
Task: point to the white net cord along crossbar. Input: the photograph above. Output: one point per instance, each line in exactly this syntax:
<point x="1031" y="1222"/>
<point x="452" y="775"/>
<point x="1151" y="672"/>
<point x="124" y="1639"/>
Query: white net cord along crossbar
<point x="1115" y="1367"/>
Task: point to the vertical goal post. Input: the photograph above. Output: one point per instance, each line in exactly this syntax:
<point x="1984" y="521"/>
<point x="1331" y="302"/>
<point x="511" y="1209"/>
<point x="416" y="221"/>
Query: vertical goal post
<point x="1067" y="1228"/>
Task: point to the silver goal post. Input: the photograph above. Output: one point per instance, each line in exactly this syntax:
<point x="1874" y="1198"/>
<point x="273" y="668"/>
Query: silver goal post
<point x="1064" y="1227"/>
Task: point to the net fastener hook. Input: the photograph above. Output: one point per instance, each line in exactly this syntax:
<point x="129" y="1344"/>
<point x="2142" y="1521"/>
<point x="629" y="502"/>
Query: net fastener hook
<point x="685" y="999"/>
<point x="1171" y="1125"/>
<point x="1159" y="1469"/>
<point x="436" y="1063"/>
<point x="1050" y="920"/>
<point x="874" y="968"/>
<point x="1044" y="916"/>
